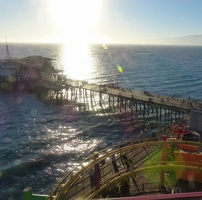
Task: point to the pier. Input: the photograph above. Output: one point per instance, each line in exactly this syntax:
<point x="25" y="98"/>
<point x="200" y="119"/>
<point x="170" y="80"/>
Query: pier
<point x="98" y="97"/>
<point x="37" y="74"/>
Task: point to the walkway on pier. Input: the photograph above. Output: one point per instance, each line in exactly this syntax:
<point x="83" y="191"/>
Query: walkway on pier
<point x="145" y="97"/>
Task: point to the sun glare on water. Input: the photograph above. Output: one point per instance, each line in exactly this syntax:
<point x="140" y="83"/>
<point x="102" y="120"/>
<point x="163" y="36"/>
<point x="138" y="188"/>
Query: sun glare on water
<point x="77" y="62"/>
<point x="75" y="20"/>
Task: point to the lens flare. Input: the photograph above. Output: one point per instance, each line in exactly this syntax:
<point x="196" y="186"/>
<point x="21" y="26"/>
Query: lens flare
<point x="105" y="47"/>
<point x="120" y="69"/>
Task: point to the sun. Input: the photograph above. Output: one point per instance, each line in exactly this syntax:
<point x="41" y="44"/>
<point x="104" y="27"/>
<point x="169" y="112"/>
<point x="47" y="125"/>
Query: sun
<point x="75" y="19"/>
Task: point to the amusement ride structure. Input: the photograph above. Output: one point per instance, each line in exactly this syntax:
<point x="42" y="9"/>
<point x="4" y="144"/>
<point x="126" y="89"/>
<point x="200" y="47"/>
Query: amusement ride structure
<point x="162" y="167"/>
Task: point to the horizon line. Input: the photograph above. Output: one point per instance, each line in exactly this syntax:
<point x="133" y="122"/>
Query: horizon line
<point x="142" y="44"/>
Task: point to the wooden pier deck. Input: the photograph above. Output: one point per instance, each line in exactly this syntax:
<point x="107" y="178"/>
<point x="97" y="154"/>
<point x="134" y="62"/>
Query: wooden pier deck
<point x="141" y="96"/>
<point x="157" y="100"/>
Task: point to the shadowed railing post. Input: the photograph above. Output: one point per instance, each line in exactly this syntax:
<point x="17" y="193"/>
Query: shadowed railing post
<point x="97" y="171"/>
<point x="164" y="138"/>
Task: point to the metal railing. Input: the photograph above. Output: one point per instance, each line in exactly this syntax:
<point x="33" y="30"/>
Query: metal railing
<point x="63" y="186"/>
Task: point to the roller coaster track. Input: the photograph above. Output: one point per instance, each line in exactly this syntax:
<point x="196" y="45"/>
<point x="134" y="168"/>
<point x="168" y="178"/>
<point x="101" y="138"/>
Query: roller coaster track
<point x="71" y="179"/>
<point x="144" y="168"/>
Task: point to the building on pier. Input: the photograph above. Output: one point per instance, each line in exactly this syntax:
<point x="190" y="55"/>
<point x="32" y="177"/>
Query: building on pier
<point x="8" y="69"/>
<point x="196" y="120"/>
<point x="36" y="66"/>
<point x="26" y="70"/>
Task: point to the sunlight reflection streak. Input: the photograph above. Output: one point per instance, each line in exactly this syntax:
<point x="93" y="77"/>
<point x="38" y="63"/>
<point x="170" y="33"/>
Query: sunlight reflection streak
<point x="77" y="62"/>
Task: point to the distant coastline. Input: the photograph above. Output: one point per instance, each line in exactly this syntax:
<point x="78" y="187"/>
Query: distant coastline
<point x="189" y="40"/>
<point x="192" y="40"/>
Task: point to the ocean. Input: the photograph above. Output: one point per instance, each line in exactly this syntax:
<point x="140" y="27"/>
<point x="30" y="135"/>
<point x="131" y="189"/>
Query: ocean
<point x="41" y="141"/>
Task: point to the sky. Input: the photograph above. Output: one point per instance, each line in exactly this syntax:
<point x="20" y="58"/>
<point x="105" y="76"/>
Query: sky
<point x="98" y="21"/>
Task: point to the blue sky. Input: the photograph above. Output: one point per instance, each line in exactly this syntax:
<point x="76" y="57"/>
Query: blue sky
<point x="98" y="21"/>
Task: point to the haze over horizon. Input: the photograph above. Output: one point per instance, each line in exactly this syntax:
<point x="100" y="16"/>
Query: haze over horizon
<point x="102" y="21"/>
